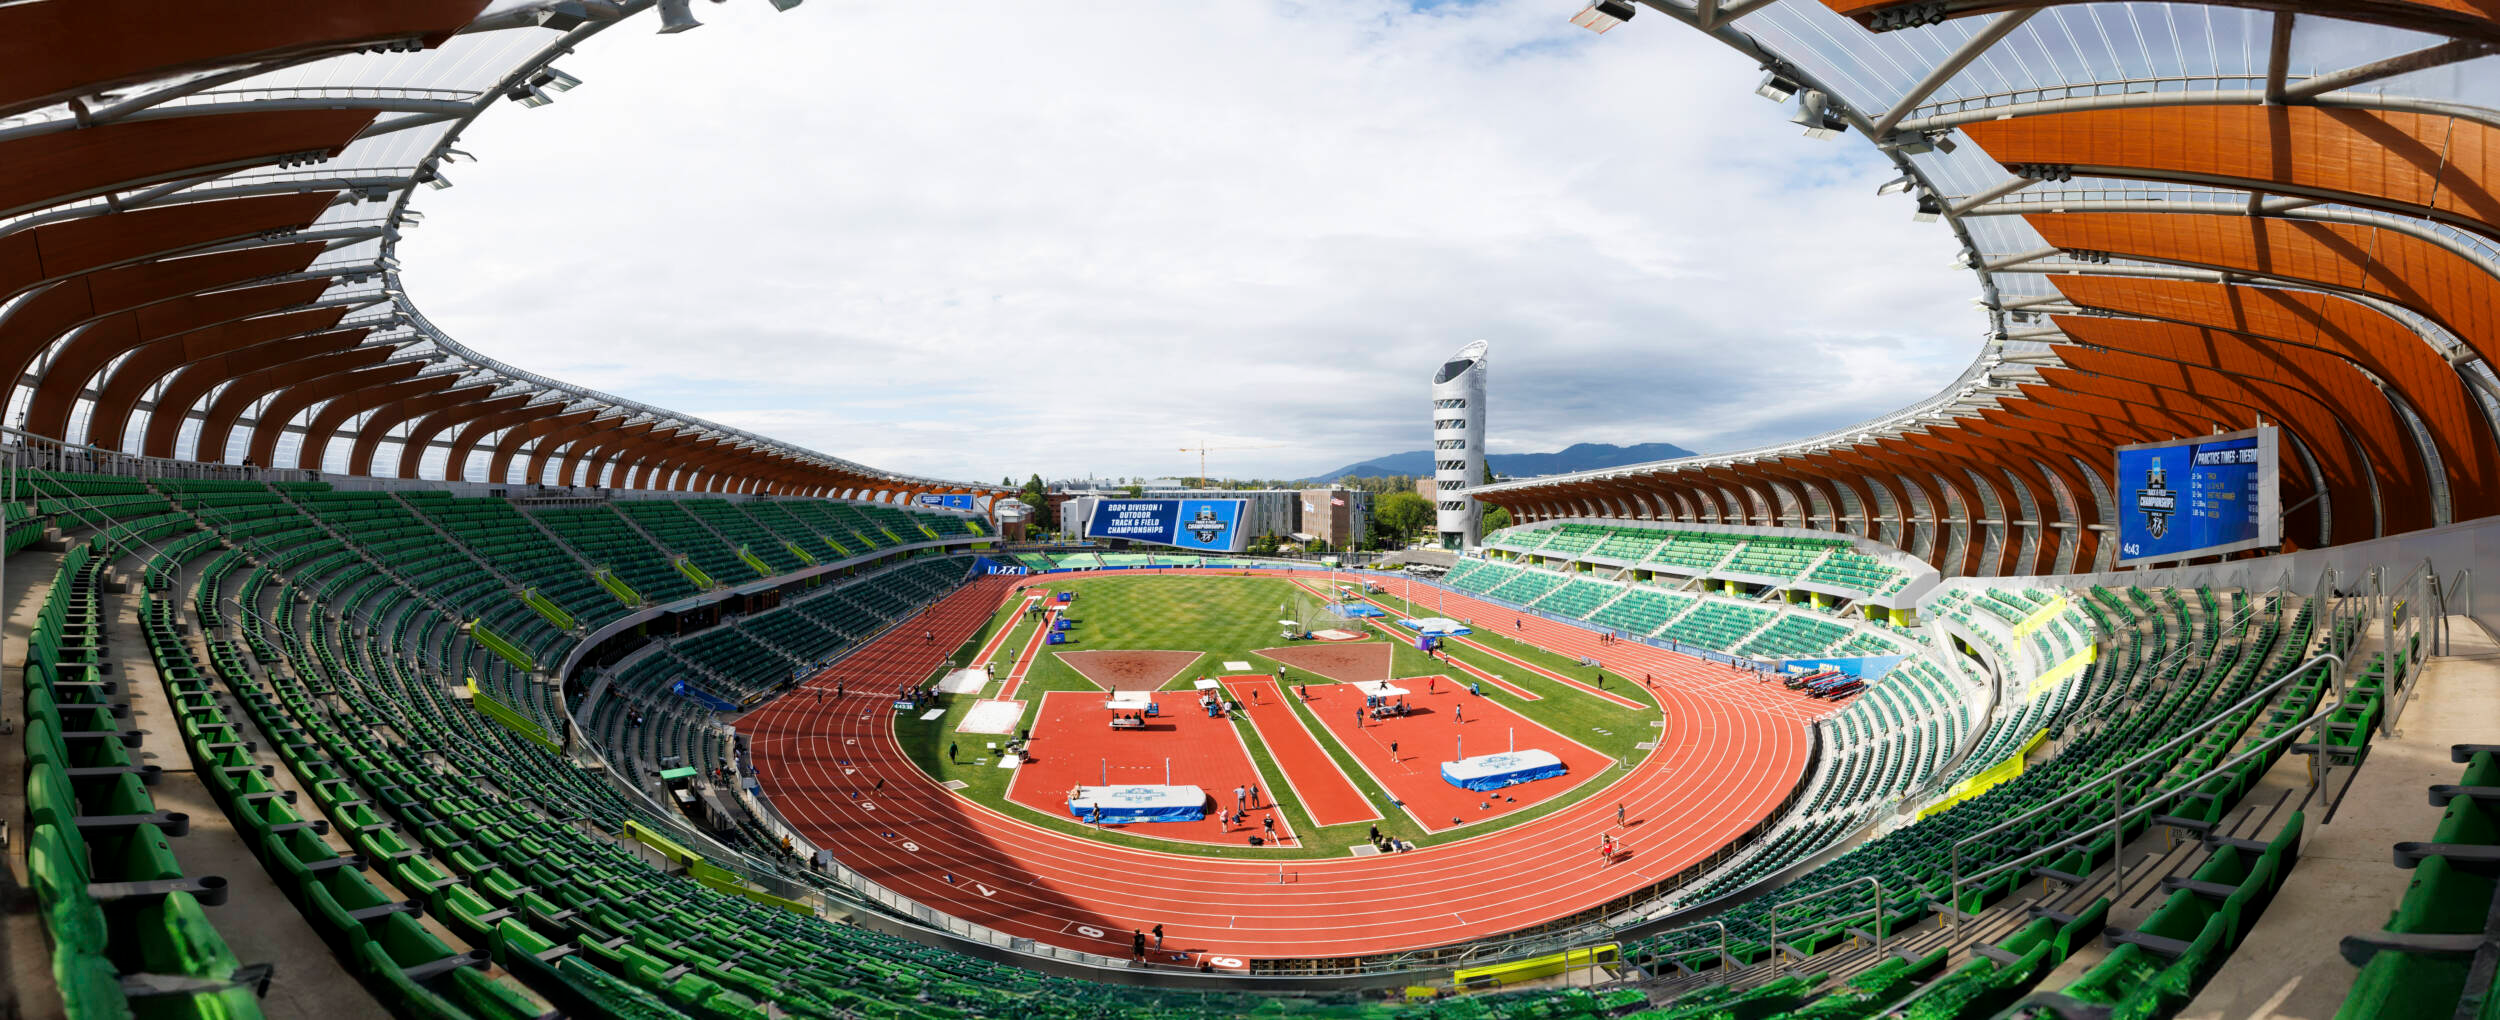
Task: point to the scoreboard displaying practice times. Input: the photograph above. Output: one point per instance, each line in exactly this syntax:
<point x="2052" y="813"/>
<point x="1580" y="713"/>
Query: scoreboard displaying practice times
<point x="2198" y="497"/>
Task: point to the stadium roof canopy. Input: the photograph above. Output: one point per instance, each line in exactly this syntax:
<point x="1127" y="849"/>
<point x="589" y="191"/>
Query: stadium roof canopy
<point x="2183" y="218"/>
<point x="199" y="205"/>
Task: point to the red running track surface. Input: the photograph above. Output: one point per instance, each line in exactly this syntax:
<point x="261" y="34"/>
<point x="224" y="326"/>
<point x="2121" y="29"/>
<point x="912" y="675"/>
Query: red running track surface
<point x="1312" y="778"/>
<point x="1077" y="745"/>
<point x="1440" y="718"/>
<point x="1727" y="755"/>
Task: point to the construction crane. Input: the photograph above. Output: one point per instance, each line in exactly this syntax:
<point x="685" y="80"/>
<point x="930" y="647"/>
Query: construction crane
<point x="1202" y="448"/>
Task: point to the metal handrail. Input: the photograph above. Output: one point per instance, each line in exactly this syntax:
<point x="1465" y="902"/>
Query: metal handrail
<point x="2427" y="596"/>
<point x="1725" y="958"/>
<point x="1953" y="889"/>
<point x="2118" y="818"/>
<point x="1877" y="911"/>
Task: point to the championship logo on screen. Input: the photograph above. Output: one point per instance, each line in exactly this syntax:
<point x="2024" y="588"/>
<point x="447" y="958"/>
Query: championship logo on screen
<point x="1204" y="527"/>
<point x="2155" y="500"/>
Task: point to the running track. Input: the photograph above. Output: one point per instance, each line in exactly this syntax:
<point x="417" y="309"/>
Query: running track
<point x="1728" y="754"/>
<point x="1311" y="775"/>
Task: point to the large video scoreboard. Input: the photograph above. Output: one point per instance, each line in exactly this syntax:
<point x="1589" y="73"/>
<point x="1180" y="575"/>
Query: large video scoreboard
<point x="1206" y="525"/>
<point x="2199" y="497"/>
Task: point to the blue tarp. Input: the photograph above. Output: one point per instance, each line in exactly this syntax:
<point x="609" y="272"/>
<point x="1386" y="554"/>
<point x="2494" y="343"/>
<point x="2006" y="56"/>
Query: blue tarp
<point x="1121" y="805"/>
<point x="1355" y="609"/>
<point x="1494" y="771"/>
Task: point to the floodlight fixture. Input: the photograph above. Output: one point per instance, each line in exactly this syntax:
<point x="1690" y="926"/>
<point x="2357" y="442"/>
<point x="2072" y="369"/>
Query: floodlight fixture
<point x="434" y="179"/>
<point x="1929" y="208"/>
<point x="1816" y="113"/>
<point x="1775" y="87"/>
<point x="1897" y="185"/>
<point x="675" y="17"/>
<point x="1920" y="143"/>
<point x="528" y="95"/>
<point x="1599" y="17"/>
<point x="554" y="80"/>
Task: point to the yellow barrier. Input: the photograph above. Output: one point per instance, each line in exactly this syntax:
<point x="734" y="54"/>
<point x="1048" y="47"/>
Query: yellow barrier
<point x="2040" y="619"/>
<point x="667" y="847"/>
<point x="493" y="708"/>
<point x="2056" y="675"/>
<point x="1985" y="780"/>
<point x="1499" y="974"/>
<point x="705" y="872"/>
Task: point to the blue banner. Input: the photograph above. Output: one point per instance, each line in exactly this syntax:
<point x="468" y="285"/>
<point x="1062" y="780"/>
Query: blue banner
<point x="702" y="697"/>
<point x="2192" y="497"/>
<point x="986" y="566"/>
<point x="1210" y="525"/>
<point x="949" y="501"/>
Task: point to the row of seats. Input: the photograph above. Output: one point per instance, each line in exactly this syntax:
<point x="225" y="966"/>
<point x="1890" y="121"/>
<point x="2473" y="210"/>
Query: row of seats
<point x="490" y="832"/>
<point x="1912" y="861"/>
<point x="1826" y="561"/>
<point x="2421" y="965"/>
<point x="129" y="930"/>
<point x="2159" y="965"/>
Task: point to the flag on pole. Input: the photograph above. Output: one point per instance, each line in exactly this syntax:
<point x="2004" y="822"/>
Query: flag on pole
<point x="1336" y="501"/>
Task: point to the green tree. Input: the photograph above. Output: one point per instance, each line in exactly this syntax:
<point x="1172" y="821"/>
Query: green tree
<point x="1401" y="514"/>
<point x="1037" y="496"/>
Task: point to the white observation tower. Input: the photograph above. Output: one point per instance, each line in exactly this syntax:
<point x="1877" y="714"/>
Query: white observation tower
<point x="1458" y="444"/>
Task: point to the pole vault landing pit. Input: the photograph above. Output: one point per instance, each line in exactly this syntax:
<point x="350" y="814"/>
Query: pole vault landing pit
<point x="1350" y="663"/>
<point x="1129" y="670"/>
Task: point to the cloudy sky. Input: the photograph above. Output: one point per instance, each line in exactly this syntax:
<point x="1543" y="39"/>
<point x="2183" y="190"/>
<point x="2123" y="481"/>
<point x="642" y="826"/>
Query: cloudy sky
<point x="987" y="240"/>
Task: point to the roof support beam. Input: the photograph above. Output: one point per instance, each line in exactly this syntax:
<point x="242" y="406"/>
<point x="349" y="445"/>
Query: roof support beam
<point x="2001" y="189"/>
<point x="2279" y="57"/>
<point x="2274" y="208"/>
<point x="2449" y="52"/>
<point x="1970" y="50"/>
<point x="2011" y="261"/>
<point x="1713" y="14"/>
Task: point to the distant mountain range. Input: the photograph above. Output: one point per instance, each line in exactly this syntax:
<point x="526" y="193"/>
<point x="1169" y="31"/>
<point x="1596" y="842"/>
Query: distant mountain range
<point x="1576" y="457"/>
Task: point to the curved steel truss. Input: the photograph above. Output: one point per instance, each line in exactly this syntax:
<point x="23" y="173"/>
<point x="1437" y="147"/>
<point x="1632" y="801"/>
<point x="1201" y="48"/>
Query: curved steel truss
<point x="2184" y="218"/>
<point x="199" y="209"/>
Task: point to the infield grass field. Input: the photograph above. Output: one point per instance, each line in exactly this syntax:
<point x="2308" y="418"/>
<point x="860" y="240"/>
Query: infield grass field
<point x="1225" y="617"/>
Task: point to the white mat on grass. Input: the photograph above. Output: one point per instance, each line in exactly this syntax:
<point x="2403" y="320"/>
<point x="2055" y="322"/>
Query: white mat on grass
<point x="992" y="716"/>
<point x="1236" y="666"/>
<point x="963" y="681"/>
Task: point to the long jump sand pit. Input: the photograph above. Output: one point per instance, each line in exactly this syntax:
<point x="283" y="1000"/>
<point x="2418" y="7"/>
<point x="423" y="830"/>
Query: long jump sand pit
<point x="1128" y="670"/>
<point x="1351" y="663"/>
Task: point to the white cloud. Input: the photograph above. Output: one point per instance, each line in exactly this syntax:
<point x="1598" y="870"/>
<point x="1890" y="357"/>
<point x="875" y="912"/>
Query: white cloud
<point x="995" y="239"/>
